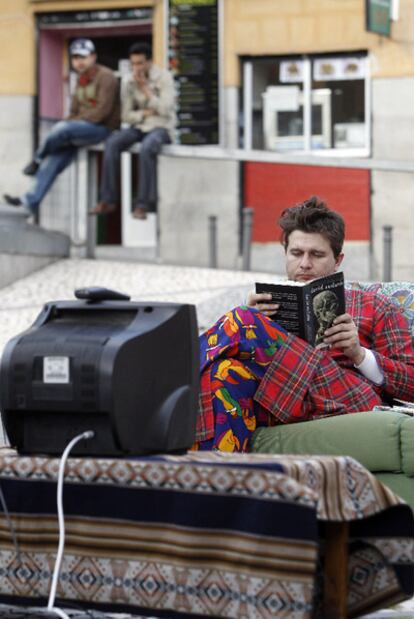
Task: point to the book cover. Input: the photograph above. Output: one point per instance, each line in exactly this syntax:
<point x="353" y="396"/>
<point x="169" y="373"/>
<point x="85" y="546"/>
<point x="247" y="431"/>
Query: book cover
<point x="307" y="309"/>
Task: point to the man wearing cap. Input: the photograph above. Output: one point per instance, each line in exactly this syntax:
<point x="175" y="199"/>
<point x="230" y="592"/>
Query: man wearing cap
<point x="148" y="108"/>
<point x="94" y="113"/>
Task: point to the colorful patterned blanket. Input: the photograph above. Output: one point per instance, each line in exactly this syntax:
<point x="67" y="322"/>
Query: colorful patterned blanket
<point x="201" y="534"/>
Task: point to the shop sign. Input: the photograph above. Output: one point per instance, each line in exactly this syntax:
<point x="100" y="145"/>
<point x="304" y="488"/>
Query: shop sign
<point x="378" y="16"/>
<point x="48" y="20"/>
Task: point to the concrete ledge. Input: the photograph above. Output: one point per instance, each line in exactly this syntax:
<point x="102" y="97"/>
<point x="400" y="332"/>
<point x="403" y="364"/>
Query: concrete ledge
<point x="317" y="158"/>
<point x="15" y="266"/>
<point x="17" y="236"/>
<point x="25" y="248"/>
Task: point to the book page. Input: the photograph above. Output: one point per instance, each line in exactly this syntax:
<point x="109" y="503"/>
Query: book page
<point x="289" y="314"/>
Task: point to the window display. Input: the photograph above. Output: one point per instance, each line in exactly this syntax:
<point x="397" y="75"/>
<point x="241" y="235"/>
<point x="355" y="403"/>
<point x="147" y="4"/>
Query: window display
<point x="309" y="103"/>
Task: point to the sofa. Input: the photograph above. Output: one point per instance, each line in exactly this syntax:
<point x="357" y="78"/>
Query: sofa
<point x="382" y="441"/>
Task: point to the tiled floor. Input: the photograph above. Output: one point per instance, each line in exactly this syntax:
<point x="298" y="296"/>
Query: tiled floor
<point x="212" y="291"/>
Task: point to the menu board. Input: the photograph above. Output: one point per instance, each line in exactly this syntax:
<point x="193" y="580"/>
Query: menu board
<point x="193" y="53"/>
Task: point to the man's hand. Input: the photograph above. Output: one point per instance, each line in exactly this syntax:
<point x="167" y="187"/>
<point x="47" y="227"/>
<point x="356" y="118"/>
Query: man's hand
<point x="141" y="79"/>
<point x="261" y="302"/>
<point x="344" y="335"/>
<point x="148" y="112"/>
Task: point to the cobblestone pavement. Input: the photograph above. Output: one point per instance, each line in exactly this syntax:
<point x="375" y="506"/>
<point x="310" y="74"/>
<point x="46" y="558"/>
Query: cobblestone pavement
<point x="213" y="291"/>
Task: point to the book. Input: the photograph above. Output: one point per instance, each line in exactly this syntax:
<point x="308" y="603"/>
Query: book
<point x="307" y="309"/>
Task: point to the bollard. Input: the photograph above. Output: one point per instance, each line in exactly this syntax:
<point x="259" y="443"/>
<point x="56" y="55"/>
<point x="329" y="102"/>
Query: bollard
<point x="92" y="198"/>
<point x="387" y="273"/>
<point x="212" y="229"/>
<point x="247" y="227"/>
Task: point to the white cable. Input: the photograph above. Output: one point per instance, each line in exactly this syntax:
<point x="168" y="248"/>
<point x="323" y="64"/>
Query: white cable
<point x="11" y="526"/>
<point x="61" y="519"/>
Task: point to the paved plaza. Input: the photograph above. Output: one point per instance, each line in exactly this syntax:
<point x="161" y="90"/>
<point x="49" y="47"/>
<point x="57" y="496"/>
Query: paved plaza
<point x="213" y="291"/>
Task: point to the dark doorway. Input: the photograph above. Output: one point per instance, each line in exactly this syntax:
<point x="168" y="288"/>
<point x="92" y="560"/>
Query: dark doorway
<point x="113" y="32"/>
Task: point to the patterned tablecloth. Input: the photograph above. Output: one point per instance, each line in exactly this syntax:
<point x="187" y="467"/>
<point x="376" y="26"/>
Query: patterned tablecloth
<point x="201" y="534"/>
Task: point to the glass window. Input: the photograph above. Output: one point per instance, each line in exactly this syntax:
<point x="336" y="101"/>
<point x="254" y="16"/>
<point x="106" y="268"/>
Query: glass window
<point x="283" y="89"/>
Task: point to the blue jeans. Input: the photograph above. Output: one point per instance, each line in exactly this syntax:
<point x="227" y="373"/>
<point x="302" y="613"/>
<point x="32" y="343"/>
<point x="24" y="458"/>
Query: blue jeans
<point x="57" y="152"/>
<point x="151" y="144"/>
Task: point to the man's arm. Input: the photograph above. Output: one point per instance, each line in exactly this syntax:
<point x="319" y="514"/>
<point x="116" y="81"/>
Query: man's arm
<point x="107" y="92"/>
<point x="130" y="114"/>
<point x="73" y="109"/>
<point x="390" y="340"/>
<point x="162" y="103"/>
<point x="394" y="351"/>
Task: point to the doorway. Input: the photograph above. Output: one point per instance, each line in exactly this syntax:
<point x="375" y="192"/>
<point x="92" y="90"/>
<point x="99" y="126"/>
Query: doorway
<point x="113" y="32"/>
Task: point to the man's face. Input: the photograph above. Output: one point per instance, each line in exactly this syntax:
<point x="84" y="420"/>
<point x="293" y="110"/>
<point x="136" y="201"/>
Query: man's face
<point x="309" y="255"/>
<point x="81" y="64"/>
<point x="140" y="65"/>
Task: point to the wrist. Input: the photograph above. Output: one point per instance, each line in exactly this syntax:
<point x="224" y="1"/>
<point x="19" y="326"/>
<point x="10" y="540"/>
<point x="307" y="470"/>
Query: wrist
<point x="359" y="357"/>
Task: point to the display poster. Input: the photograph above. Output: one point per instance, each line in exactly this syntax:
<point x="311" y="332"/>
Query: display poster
<point x="193" y="54"/>
<point x="339" y="68"/>
<point x="378" y="16"/>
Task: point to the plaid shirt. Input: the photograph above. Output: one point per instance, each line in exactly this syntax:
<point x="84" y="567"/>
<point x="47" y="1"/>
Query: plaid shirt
<point x="304" y="383"/>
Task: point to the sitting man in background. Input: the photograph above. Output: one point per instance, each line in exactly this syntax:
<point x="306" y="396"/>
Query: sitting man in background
<point x="148" y="107"/>
<point x="254" y="373"/>
<point x="94" y="113"/>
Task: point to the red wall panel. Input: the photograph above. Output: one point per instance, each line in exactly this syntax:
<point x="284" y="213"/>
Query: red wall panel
<point x="271" y="187"/>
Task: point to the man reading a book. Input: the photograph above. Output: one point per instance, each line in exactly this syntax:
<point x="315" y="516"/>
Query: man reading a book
<point x="254" y="373"/>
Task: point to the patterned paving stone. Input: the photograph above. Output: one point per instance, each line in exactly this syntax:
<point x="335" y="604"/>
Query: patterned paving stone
<point x="212" y="291"/>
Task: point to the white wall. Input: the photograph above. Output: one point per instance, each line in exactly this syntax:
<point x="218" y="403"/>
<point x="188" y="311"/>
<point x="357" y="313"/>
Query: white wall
<point x="15" y="143"/>
<point x="393" y="193"/>
<point x="191" y="190"/>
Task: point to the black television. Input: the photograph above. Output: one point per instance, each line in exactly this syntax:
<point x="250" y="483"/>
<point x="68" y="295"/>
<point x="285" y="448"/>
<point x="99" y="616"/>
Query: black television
<point x="128" y="371"/>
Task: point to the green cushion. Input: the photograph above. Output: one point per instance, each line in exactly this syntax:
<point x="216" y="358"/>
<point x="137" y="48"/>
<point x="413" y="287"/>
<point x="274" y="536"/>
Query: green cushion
<point x="371" y="437"/>
<point x="400" y="484"/>
<point x="407" y="446"/>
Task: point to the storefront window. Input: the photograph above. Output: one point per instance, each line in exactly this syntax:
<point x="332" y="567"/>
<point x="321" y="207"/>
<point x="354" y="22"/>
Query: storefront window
<point x="306" y="103"/>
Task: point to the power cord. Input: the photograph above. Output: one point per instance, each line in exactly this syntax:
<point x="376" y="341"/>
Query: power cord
<point x="92" y="614"/>
<point x="10" y="525"/>
<point x="61" y="519"/>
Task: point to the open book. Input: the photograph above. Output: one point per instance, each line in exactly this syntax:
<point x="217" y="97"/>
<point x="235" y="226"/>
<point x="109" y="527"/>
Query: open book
<point x="307" y="309"/>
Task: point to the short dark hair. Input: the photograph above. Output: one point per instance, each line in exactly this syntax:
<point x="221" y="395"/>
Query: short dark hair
<point x="141" y="48"/>
<point x="313" y="215"/>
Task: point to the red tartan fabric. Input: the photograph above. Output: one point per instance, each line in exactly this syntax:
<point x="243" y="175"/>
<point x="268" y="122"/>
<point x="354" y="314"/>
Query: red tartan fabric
<point x="304" y="383"/>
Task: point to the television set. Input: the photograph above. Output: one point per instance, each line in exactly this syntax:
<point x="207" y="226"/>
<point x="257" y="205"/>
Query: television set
<point x="128" y="371"/>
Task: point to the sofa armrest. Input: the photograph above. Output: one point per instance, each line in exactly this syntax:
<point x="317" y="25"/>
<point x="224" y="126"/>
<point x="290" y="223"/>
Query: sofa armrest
<point x="372" y="438"/>
<point x="407" y="446"/>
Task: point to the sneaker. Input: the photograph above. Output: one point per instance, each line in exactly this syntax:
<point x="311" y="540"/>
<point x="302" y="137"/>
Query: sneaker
<point x="139" y="213"/>
<point x="12" y="200"/>
<point x="31" y="168"/>
<point x="103" y="208"/>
